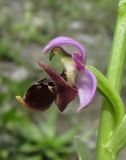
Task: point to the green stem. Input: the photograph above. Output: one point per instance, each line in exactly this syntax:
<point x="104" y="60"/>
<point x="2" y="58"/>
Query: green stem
<point x="115" y="70"/>
<point x="116" y="66"/>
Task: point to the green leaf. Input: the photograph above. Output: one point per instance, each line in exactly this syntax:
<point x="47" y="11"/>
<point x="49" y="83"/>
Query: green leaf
<point x="118" y="139"/>
<point x="110" y="93"/>
<point x="23" y="157"/>
<point x="28" y="148"/>
<point x="30" y="132"/>
<point x="83" y="152"/>
<point x="51" y="154"/>
<point x="52" y="2"/>
<point x="67" y="136"/>
<point x="49" y="126"/>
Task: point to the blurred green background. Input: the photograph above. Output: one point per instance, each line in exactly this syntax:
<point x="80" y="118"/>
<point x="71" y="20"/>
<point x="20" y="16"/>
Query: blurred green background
<point x="25" y="27"/>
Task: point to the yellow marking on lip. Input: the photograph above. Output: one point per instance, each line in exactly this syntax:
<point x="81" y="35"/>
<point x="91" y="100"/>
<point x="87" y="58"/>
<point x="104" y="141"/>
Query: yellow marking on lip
<point x="21" y="100"/>
<point x="25" y="105"/>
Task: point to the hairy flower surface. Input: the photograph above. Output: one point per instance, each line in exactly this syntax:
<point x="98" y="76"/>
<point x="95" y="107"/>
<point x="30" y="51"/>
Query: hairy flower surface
<point x="75" y="80"/>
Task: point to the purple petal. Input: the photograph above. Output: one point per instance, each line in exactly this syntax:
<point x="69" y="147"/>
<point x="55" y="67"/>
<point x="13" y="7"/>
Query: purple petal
<point x="86" y="84"/>
<point x="78" y="62"/>
<point x="59" y="41"/>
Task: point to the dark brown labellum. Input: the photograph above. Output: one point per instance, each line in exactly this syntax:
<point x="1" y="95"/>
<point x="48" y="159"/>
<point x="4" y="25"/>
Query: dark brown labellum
<point x="40" y="95"/>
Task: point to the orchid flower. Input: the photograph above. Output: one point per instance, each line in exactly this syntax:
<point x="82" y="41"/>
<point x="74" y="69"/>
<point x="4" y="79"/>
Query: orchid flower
<point x="75" y="80"/>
